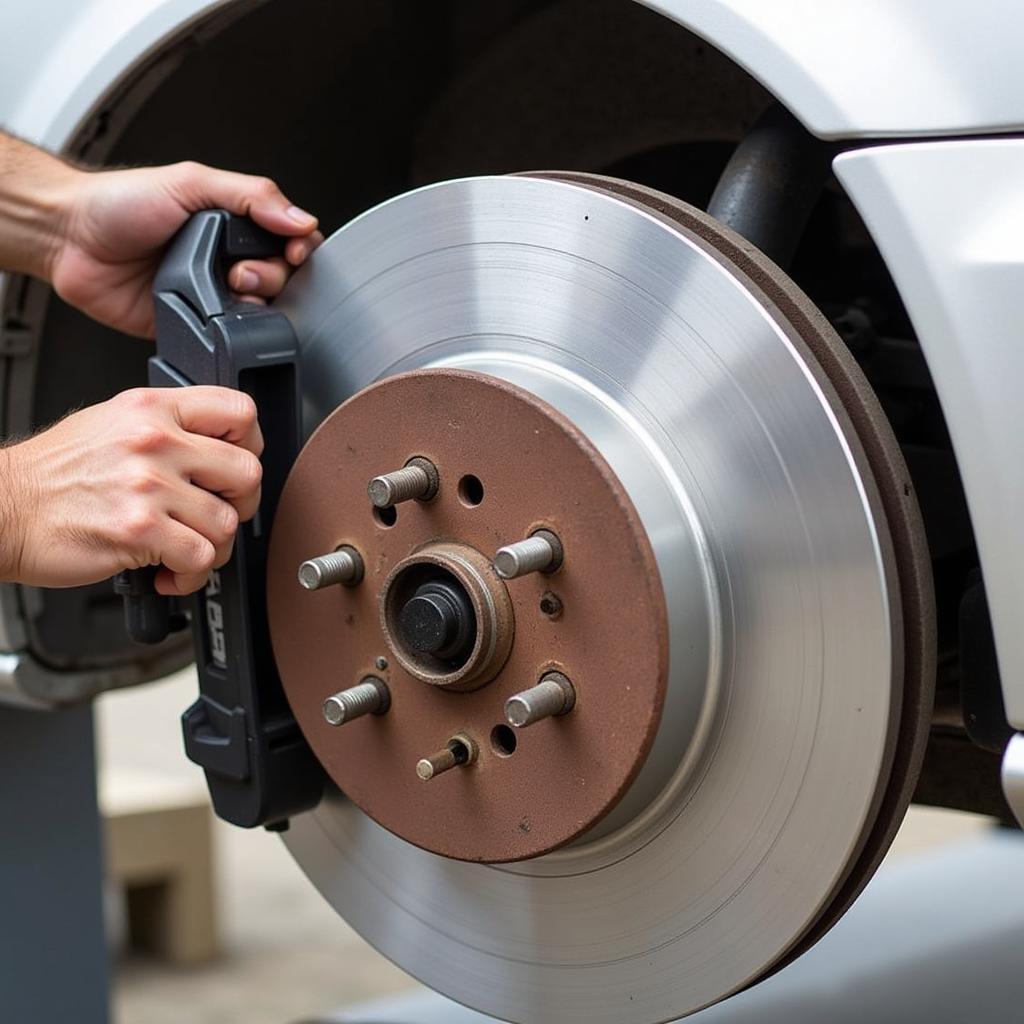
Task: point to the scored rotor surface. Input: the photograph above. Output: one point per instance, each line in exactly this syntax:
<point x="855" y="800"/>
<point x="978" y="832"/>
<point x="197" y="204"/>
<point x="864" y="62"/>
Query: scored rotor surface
<point x="899" y="506"/>
<point x="733" y="867"/>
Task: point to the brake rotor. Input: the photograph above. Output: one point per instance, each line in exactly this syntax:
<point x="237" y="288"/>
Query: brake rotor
<point x="795" y="595"/>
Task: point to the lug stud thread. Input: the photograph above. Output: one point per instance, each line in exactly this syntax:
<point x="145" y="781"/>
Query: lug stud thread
<point x="552" y="697"/>
<point x="540" y="552"/>
<point x="459" y="751"/>
<point x="344" y="567"/>
<point x="416" y="480"/>
<point x="370" y="697"/>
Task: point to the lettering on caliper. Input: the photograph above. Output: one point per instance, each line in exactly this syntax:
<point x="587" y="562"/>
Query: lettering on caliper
<point x="215" y="621"/>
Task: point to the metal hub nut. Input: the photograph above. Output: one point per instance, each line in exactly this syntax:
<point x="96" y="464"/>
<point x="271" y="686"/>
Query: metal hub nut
<point x="447" y="616"/>
<point x="439" y="620"/>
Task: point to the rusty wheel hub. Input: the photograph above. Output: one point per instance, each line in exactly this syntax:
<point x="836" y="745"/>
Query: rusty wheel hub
<point x="453" y="642"/>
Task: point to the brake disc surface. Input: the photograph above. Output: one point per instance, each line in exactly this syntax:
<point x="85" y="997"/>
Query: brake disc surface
<point x="735" y="861"/>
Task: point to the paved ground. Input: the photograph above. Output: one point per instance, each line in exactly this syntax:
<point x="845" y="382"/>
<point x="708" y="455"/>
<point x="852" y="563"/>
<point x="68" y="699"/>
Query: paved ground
<point x="287" y="957"/>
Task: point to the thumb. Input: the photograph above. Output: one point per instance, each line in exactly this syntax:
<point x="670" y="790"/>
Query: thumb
<point x="198" y="187"/>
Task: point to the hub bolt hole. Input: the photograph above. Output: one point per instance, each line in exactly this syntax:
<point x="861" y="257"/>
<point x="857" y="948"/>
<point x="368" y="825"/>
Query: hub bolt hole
<point x="503" y="741"/>
<point x="471" y="491"/>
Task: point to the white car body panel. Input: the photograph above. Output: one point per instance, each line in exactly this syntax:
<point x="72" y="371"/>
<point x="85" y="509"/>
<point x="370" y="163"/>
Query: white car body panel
<point x="70" y="53"/>
<point x="949" y="220"/>
<point x="875" y="67"/>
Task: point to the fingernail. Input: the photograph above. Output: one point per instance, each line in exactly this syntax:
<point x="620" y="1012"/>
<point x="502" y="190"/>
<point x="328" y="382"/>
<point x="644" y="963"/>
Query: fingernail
<point x="300" y="216"/>
<point x="248" y="280"/>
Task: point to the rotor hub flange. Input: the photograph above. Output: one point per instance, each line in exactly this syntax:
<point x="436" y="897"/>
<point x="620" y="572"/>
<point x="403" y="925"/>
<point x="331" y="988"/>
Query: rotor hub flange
<point x="450" y="638"/>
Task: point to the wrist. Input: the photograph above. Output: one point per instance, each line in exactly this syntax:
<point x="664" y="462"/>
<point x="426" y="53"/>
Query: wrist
<point x="11" y="530"/>
<point x="37" y="193"/>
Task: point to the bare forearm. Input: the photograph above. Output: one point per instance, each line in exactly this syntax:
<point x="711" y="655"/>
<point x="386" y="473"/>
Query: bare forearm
<point x="35" y="191"/>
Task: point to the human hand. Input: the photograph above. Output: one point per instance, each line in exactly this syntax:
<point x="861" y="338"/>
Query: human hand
<point x="114" y="226"/>
<point x="153" y="476"/>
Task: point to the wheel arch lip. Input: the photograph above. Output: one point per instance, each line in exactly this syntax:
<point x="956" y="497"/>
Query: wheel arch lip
<point x="949" y="68"/>
<point x="53" y="82"/>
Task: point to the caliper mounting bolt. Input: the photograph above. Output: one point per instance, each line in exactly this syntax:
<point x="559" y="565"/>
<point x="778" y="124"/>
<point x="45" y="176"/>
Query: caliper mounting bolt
<point x="344" y="566"/>
<point x="417" y="479"/>
<point x="540" y="552"/>
<point x="458" y="751"/>
<point x="553" y="696"/>
<point x="370" y="697"/>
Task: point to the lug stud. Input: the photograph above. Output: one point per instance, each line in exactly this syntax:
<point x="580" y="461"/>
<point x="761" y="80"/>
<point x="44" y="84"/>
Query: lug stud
<point x="344" y="566"/>
<point x="370" y="697"/>
<point x="553" y="696"/>
<point x="540" y="552"/>
<point x="460" y="750"/>
<point x="417" y="479"/>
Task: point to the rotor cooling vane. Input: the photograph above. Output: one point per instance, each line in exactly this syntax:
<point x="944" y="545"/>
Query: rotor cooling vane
<point x="599" y="592"/>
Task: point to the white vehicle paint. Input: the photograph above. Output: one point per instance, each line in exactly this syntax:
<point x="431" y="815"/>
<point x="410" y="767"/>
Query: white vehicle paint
<point x="949" y="219"/>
